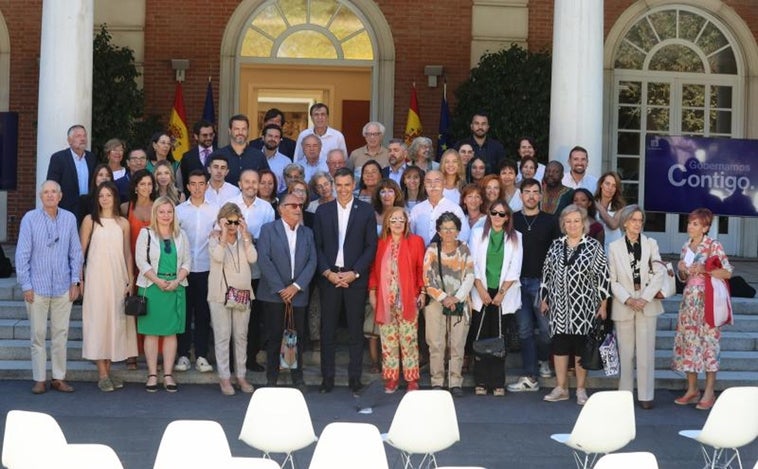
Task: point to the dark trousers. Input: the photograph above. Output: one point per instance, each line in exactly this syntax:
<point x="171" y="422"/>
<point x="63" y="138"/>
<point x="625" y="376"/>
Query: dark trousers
<point x="274" y="319"/>
<point x="489" y="371"/>
<point x="197" y="314"/>
<point x="353" y="300"/>
<point x="255" y="329"/>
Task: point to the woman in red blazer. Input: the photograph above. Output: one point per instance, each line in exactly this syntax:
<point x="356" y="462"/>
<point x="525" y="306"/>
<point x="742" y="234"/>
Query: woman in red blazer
<point x="395" y="293"/>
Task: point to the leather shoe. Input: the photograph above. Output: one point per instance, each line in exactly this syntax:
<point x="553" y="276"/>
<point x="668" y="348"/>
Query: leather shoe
<point x="40" y="387"/>
<point x="355" y="385"/>
<point x="647" y="405"/>
<point x="326" y="386"/>
<point x="61" y="386"/>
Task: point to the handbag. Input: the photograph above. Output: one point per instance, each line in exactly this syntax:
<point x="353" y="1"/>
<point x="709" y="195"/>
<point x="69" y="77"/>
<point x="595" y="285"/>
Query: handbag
<point x="610" y="354"/>
<point x="235" y="298"/>
<point x="669" y="281"/>
<point x="492" y="346"/>
<point x="288" y="349"/>
<point x="591" y="357"/>
<point x="136" y="305"/>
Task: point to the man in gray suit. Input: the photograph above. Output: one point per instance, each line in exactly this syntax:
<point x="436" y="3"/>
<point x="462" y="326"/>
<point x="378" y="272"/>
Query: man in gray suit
<point x="287" y="258"/>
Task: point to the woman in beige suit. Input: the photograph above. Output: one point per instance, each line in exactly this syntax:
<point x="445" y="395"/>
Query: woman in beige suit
<point x="635" y="280"/>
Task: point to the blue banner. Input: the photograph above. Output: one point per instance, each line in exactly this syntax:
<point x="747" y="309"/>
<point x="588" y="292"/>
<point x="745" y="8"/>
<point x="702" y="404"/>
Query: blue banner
<point x="685" y="173"/>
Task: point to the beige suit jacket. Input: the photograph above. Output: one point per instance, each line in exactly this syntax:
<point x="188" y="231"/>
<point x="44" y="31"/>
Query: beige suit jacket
<point x="622" y="283"/>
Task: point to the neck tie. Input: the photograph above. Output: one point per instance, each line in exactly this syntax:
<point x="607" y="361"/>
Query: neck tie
<point x="206" y="152"/>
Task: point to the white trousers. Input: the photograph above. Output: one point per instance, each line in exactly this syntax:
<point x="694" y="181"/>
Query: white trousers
<point x="637" y="336"/>
<point x="59" y="309"/>
<point x="229" y="325"/>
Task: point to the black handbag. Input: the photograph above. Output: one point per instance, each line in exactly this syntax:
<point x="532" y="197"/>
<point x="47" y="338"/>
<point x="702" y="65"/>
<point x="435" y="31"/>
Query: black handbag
<point x="492" y="346"/>
<point x="135" y="305"/>
<point x="591" y="357"/>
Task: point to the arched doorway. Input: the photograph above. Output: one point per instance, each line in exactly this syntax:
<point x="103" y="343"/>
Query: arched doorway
<point x="291" y="53"/>
<point x="675" y="70"/>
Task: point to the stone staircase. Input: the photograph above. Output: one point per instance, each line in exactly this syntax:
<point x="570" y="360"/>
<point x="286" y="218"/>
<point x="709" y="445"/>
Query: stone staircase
<point x="739" y="351"/>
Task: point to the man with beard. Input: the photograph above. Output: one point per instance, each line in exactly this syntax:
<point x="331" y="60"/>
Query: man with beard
<point x="277" y="161"/>
<point x="398" y="154"/>
<point x="538" y="230"/>
<point x="199" y="156"/>
<point x="556" y="195"/>
<point x="577" y="177"/>
<point x="286" y="145"/>
<point x="485" y="147"/>
<point x="238" y="153"/>
<point x="312" y="163"/>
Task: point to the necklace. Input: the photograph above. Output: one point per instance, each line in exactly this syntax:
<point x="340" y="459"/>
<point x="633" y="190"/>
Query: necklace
<point x="529" y="225"/>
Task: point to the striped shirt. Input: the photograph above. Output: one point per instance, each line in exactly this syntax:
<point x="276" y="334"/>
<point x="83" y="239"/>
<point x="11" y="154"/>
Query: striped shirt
<point x="48" y="253"/>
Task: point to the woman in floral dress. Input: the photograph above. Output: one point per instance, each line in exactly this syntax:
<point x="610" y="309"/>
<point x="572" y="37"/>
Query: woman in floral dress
<point x="696" y="345"/>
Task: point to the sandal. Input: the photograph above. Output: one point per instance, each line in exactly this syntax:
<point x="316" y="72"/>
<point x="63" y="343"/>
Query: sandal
<point x="151" y="387"/>
<point x="131" y="363"/>
<point x="170" y="387"/>
<point x="480" y="391"/>
<point x="499" y="392"/>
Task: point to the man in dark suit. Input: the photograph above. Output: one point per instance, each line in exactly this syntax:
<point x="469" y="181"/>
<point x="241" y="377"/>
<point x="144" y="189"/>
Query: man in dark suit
<point x="72" y="168"/>
<point x="345" y="231"/>
<point x="398" y="154"/>
<point x="286" y="145"/>
<point x="136" y="161"/>
<point x="287" y="255"/>
<point x="198" y="156"/>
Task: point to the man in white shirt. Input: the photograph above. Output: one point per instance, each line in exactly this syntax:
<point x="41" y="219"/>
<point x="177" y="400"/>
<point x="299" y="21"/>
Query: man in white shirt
<point x="219" y="191"/>
<point x="272" y="137"/>
<point x="196" y="217"/>
<point x="424" y="215"/>
<point x="312" y="162"/>
<point x="256" y="213"/>
<point x="577" y="176"/>
<point x="330" y="138"/>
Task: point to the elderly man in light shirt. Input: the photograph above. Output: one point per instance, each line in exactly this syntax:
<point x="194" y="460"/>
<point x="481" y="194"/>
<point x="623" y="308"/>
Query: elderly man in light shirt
<point x="424" y="215"/>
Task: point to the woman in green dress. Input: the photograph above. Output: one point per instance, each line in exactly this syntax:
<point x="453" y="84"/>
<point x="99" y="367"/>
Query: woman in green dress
<point x="163" y="259"/>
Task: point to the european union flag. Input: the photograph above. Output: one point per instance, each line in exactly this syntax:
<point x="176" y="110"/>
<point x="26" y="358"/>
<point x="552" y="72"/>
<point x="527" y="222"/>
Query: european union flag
<point x="443" y="138"/>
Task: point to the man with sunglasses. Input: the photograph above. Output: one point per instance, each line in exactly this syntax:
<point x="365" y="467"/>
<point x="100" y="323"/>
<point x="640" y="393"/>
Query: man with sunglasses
<point x="538" y="230"/>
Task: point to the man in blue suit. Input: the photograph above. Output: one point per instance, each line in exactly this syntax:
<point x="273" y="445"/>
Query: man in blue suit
<point x="287" y="258"/>
<point x="345" y="231"/>
<point x="72" y="168"/>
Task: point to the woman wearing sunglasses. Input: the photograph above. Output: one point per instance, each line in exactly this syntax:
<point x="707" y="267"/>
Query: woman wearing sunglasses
<point x="163" y="259"/>
<point x="497" y="251"/>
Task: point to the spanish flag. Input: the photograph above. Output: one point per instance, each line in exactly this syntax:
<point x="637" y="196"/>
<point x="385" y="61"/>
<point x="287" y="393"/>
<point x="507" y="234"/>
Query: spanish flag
<point x="413" y="127"/>
<point x="177" y="125"/>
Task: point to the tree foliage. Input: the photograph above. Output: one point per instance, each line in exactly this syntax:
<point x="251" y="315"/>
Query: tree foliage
<point x="513" y="87"/>
<point x="117" y="101"/>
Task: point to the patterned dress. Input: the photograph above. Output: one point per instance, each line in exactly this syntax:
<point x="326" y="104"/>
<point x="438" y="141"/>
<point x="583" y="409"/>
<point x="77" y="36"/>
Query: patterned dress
<point x="574" y="283"/>
<point x="696" y="344"/>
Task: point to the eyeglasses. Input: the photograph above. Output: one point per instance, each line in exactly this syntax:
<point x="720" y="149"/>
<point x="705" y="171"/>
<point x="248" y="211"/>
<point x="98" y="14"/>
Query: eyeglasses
<point x="386" y="192"/>
<point x="167" y="246"/>
<point x="499" y="214"/>
<point x="233" y="222"/>
<point x="138" y="158"/>
<point x="448" y="229"/>
<point x="298" y="191"/>
<point x="373" y="134"/>
<point x="292" y="204"/>
<point x="397" y="220"/>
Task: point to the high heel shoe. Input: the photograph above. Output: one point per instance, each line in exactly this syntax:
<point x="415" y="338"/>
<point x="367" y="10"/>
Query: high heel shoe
<point x="151" y="387"/>
<point x="170" y="387"/>
<point x="688" y="399"/>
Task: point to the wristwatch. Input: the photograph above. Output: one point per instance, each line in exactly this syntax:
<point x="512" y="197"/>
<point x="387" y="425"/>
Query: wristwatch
<point x="357" y="275"/>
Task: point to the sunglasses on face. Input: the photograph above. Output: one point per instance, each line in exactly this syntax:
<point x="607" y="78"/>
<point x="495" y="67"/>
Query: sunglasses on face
<point x="499" y="214"/>
<point x="232" y="222"/>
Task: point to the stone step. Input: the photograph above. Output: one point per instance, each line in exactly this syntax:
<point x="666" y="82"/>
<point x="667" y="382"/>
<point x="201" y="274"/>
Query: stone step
<point x="85" y="373"/>
<point x="742" y="323"/>
<point x="739" y="305"/>
<point x="737" y="341"/>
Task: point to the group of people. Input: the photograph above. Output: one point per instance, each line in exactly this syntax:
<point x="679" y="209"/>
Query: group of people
<point x="423" y="257"/>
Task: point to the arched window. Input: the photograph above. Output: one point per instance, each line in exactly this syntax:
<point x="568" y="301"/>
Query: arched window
<point x="307" y="29"/>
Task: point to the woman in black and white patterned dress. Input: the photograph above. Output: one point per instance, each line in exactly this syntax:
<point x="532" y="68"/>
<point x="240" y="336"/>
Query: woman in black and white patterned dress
<point x="575" y="289"/>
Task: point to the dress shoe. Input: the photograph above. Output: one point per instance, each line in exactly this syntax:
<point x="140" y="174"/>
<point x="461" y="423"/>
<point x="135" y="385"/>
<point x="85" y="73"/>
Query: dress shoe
<point x="61" y="386"/>
<point x="647" y="405"/>
<point x="40" y="387"/>
<point x="326" y="386"/>
<point x="355" y="385"/>
<point x="706" y="405"/>
<point x="688" y="399"/>
<point x="226" y="387"/>
<point x="244" y="386"/>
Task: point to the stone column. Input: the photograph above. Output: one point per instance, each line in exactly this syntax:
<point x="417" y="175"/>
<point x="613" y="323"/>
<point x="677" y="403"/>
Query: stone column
<point x="65" y="75"/>
<point x="576" y="97"/>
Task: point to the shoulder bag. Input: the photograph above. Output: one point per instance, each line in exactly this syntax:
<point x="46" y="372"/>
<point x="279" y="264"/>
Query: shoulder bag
<point x="136" y="305"/>
<point x="234" y="298"/>
<point x="492" y="346"/>
<point x="591" y="357"/>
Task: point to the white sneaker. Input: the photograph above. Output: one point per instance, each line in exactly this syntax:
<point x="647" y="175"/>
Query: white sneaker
<point x="581" y="396"/>
<point x="524" y="384"/>
<point x="557" y="394"/>
<point x="202" y="365"/>
<point x="183" y="364"/>
<point x="545" y="371"/>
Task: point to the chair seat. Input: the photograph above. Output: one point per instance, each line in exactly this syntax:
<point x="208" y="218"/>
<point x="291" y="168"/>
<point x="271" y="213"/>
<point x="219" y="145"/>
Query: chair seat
<point x="694" y="434"/>
<point x="560" y="437"/>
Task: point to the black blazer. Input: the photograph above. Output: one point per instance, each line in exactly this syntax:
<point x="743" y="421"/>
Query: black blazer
<point x="63" y="171"/>
<point x="360" y="240"/>
<point x="190" y="162"/>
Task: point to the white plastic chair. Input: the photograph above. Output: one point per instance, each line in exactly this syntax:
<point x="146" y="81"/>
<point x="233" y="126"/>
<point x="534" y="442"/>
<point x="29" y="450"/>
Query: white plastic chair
<point x="86" y="456"/>
<point x="345" y="445"/>
<point x="605" y="424"/>
<point x="196" y="444"/>
<point x="424" y="423"/>
<point x="641" y="460"/>
<point x="278" y="421"/>
<point x="731" y="424"/>
<point x="27" y="432"/>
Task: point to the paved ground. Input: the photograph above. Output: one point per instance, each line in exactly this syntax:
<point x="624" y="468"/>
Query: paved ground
<point x="495" y="432"/>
